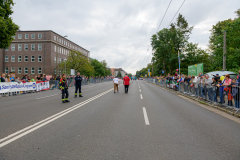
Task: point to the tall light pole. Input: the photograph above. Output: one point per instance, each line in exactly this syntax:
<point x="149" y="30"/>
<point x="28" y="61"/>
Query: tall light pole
<point x="224" y="50"/>
<point x="65" y="65"/>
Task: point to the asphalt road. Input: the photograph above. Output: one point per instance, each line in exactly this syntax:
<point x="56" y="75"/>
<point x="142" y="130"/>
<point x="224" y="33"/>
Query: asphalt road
<point x="148" y="123"/>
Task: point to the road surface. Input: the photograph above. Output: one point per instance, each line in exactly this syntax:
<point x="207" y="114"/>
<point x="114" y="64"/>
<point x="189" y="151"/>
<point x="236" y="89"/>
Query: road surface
<point x="148" y="123"/>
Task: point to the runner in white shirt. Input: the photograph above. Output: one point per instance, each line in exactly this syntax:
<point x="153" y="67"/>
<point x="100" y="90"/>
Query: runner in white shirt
<point x="115" y="83"/>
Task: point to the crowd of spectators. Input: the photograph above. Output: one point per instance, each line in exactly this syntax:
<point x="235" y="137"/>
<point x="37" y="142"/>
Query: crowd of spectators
<point x="216" y="89"/>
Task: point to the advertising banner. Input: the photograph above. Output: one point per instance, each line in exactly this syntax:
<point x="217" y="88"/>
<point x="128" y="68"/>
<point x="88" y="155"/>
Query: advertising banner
<point x="42" y="86"/>
<point x="6" y="87"/>
<point x="194" y="70"/>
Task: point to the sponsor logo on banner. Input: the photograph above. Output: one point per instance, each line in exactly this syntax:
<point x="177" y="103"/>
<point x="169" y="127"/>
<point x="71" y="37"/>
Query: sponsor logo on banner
<point x="16" y="87"/>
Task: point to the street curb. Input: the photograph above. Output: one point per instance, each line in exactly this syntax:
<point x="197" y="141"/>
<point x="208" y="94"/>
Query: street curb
<point x="200" y="101"/>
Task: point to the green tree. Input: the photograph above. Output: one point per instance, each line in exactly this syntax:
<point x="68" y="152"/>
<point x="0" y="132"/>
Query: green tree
<point x="7" y="27"/>
<point x="119" y="74"/>
<point x="129" y="75"/>
<point x="79" y="62"/>
<point x="98" y="68"/>
<point x="107" y="70"/>
<point x="232" y="28"/>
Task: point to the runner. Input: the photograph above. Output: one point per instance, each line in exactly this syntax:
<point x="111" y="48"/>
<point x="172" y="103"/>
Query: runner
<point x="126" y="82"/>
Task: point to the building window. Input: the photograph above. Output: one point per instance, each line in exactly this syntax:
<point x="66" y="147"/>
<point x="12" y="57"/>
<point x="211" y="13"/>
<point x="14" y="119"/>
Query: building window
<point x="33" y="70"/>
<point x="32" y="58"/>
<point x="25" y="47"/>
<point x="39" y="70"/>
<point x="57" y="38"/>
<point x="13" y="59"/>
<point x="26" y="70"/>
<point x="40" y="36"/>
<point x="13" y="47"/>
<point x="55" y="48"/>
<point x="25" y="58"/>
<point x="33" y="36"/>
<point x="19" y="70"/>
<point x="55" y="59"/>
<point x="20" y="36"/>
<point x="60" y="60"/>
<point x="19" y="58"/>
<point x="6" y="49"/>
<point x="60" y="50"/>
<point x="13" y="37"/>
<point x="26" y="36"/>
<point x="39" y="58"/>
<point x="55" y="71"/>
<point x="6" y="69"/>
<point x="19" y="47"/>
<point x="39" y="47"/>
<point x="6" y="58"/>
<point x="13" y="69"/>
<point x="32" y="47"/>
<point x="54" y="38"/>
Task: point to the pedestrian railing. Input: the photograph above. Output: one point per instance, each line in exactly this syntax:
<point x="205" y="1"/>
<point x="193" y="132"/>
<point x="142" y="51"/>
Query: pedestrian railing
<point x="54" y="84"/>
<point x="227" y="96"/>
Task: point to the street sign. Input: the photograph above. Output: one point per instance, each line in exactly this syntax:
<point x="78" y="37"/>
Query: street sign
<point x="195" y="69"/>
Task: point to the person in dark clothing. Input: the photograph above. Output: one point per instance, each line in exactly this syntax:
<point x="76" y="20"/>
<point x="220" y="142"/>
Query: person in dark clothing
<point x="217" y="77"/>
<point x="64" y="88"/>
<point x="3" y="78"/>
<point x="235" y="93"/>
<point x="78" y="83"/>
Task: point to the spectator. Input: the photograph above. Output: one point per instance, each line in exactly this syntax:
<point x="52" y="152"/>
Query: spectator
<point x="195" y="83"/>
<point x="215" y="89"/>
<point x="3" y="78"/>
<point x="217" y="77"/>
<point x="17" y="79"/>
<point x="238" y="77"/>
<point x="44" y="78"/>
<point x="11" y="78"/>
<point x="235" y="93"/>
<point x="227" y="83"/>
<point x="38" y="77"/>
<point x="208" y="85"/>
<point x="221" y="87"/>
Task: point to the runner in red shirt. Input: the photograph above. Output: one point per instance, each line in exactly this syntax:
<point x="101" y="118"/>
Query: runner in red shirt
<point x="126" y="82"/>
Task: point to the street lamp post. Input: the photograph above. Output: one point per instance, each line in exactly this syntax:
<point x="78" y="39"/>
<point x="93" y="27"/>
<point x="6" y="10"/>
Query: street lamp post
<point x="65" y="66"/>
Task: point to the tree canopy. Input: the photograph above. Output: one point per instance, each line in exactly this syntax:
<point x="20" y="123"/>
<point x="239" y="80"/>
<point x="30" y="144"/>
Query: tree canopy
<point x="7" y="27"/>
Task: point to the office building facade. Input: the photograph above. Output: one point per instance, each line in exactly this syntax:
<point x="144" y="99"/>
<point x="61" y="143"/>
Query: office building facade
<point x="37" y="52"/>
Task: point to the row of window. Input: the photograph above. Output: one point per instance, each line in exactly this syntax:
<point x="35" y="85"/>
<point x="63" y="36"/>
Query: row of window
<point x="59" y="60"/>
<point x="27" y="36"/>
<point x="61" y="50"/>
<point x="25" y="59"/>
<point x="39" y="71"/>
<point x="25" y="47"/>
<point x="66" y="43"/>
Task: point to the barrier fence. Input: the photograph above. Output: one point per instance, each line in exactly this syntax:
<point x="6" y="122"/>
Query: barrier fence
<point x="15" y="88"/>
<point x="228" y="96"/>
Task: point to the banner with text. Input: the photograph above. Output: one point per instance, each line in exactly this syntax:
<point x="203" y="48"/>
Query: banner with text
<point x="42" y="86"/>
<point x="6" y="87"/>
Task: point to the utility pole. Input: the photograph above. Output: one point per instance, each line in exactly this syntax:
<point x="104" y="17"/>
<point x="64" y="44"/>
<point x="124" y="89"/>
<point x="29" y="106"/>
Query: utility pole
<point x="152" y="70"/>
<point x="224" y="51"/>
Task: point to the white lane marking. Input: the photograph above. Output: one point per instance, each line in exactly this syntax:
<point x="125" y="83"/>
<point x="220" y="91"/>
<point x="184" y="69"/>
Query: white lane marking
<point x="47" y="96"/>
<point x="44" y="122"/>
<point x="145" y="116"/>
<point x="140" y="90"/>
<point x="141" y="96"/>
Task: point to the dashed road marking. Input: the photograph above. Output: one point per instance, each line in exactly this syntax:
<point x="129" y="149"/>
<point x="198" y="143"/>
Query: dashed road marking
<point x="145" y="116"/>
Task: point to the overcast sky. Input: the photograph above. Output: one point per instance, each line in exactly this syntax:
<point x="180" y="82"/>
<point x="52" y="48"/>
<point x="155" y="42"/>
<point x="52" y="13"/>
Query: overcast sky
<point x="120" y="31"/>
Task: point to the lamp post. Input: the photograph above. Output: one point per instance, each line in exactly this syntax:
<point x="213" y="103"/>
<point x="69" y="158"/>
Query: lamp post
<point x="65" y="65"/>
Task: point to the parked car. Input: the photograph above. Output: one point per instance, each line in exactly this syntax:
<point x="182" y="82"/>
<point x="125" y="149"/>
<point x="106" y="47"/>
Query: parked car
<point x="222" y="73"/>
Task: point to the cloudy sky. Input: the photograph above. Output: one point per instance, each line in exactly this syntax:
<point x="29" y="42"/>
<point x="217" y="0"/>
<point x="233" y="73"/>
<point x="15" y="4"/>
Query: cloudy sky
<point x="120" y="31"/>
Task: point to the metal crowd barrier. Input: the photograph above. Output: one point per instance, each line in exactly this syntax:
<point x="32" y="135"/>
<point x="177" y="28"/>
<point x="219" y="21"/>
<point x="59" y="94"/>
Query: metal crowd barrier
<point x="227" y="96"/>
<point x="54" y="84"/>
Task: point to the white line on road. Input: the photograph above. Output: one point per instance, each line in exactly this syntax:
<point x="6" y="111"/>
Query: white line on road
<point x="47" y="96"/>
<point x="145" y="116"/>
<point x="141" y="96"/>
<point x="140" y="90"/>
<point x="44" y="122"/>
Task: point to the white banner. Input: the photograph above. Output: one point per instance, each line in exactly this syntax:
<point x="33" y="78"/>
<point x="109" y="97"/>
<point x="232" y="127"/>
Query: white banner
<point x="42" y="86"/>
<point x="6" y="87"/>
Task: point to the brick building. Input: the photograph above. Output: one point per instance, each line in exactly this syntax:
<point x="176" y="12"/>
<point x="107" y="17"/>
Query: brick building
<point x="114" y="72"/>
<point x="37" y="52"/>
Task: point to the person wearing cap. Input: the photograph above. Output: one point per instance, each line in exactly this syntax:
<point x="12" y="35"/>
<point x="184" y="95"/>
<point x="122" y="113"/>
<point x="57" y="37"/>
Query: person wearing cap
<point x="217" y="77"/>
<point x="126" y="82"/>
